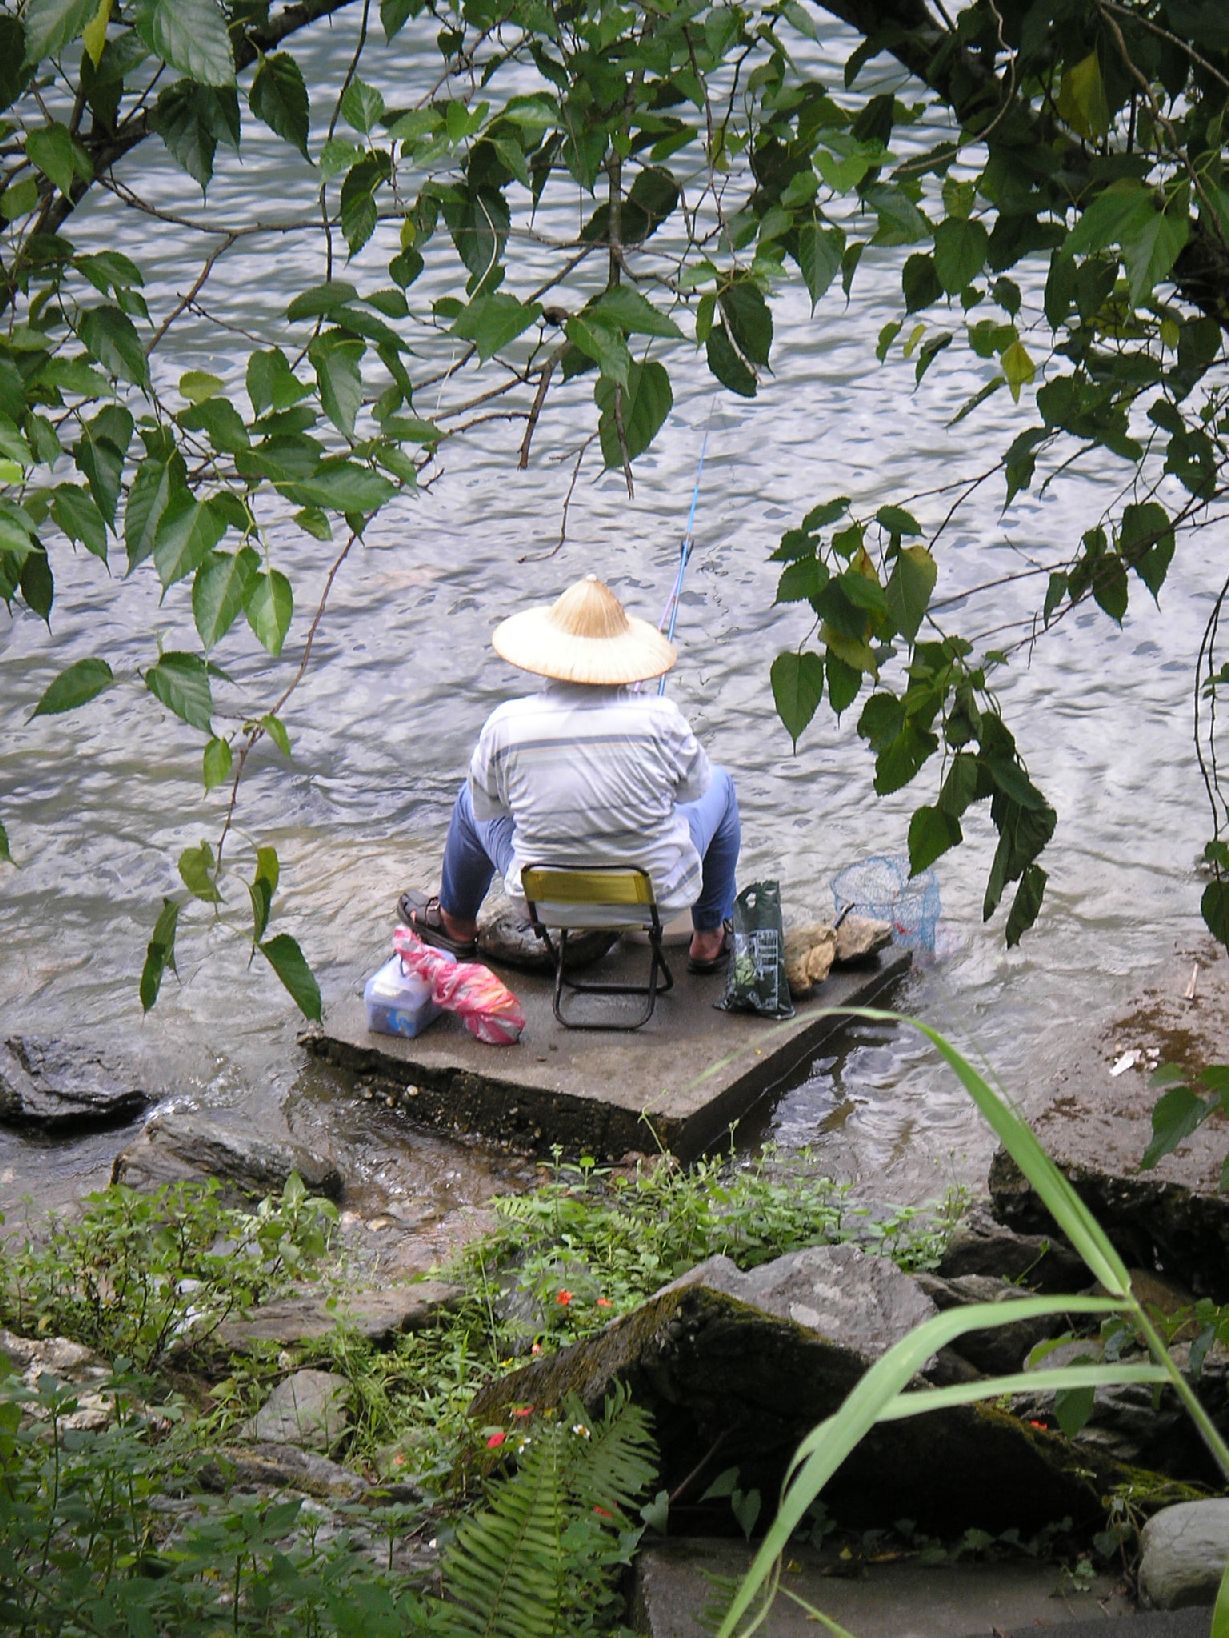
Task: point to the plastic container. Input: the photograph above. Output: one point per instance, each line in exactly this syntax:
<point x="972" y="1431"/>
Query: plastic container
<point x="399" y="1002"/>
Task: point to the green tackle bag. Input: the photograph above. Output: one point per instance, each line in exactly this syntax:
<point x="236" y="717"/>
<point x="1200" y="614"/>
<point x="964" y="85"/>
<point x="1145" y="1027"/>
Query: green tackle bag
<point x="755" y="979"/>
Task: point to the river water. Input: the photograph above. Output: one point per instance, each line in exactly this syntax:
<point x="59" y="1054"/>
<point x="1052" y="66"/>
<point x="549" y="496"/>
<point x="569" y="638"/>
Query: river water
<point x="100" y="803"/>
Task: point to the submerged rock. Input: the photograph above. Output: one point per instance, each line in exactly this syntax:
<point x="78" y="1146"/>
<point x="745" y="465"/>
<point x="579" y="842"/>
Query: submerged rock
<point x="57" y="1087"/>
<point x="184" y="1143"/>
<point x="1099" y="1123"/>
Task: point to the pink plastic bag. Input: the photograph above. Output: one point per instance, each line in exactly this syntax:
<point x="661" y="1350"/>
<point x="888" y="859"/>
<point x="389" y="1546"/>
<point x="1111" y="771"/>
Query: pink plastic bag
<point x="484" y="1004"/>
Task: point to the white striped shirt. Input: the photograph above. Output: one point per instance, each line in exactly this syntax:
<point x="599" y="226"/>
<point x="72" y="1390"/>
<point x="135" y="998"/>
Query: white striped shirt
<point x="591" y="775"/>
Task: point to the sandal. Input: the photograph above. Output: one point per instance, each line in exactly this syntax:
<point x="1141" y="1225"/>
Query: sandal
<point x="717" y="962"/>
<point x="422" y="915"/>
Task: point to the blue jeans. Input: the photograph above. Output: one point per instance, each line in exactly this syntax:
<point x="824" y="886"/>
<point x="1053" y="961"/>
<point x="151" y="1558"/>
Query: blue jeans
<point x="477" y="848"/>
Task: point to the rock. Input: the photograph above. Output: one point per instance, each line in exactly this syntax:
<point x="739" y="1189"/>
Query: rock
<point x="280" y="1466"/>
<point x="980" y="1244"/>
<point x="56" y="1087"/>
<point x="996" y="1350"/>
<point x="378" y="1316"/>
<point x="1099" y="1122"/>
<point x="735" y="1385"/>
<point x="1185" y="1550"/>
<point x="184" y="1143"/>
<point x="809" y="954"/>
<point x="859" y="940"/>
<point x="508" y="940"/>
<point x="865" y="1301"/>
<point x="83" y="1372"/>
<point x="308" y="1409"/>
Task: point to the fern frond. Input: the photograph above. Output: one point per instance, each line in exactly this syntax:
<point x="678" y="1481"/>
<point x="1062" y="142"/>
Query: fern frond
<point x="538" y="1560"/>
<point x="503" y="1569"/>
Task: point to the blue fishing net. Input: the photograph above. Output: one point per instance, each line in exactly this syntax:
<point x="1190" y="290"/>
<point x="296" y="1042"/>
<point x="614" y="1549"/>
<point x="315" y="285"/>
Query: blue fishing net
<point x="881" y="887"/>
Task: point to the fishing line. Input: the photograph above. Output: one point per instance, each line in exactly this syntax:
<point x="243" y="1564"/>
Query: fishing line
<point x="670" y="613"/>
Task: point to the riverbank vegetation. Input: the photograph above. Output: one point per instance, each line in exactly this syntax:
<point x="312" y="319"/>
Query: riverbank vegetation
<point x="114" y="1507"/>
<point x="533" y="225"/>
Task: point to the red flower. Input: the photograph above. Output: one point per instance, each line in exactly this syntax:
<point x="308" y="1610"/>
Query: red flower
<point x="564" y="1298"/>
<point x="536" y="1349"/>
<point x="495" y="1440"/>
<point x="603" y="1302"/>
<point x="523" y="1410"/>
<point x="604" y="1511"/>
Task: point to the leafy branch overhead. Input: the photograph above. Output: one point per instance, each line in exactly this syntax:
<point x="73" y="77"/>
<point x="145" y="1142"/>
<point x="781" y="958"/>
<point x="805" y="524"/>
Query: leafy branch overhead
<point x="1065" y="241"/>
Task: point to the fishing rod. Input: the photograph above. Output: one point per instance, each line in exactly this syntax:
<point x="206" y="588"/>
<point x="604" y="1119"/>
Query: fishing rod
<point x="670" y="614"/>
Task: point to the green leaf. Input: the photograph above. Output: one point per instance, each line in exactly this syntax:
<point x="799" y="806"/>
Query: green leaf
<point x="920" y="284"/>
<point x="491" y="322"/>
<point x="603" y="343"/>
<point x="1018" y="369"/>
<point x="190" y="35"/>
<point x="76" y="684"/>
<point x="1026" y="904"/>
<point x="220" y="421"/>
<point x="51" y="24"/>
<point x="100" y="452"/>
<point x="222" y="583"/>
<point x="727" y="365"/>
<point x="1121" y="209"/>
<point x="1150" y="250"/>
<point x="276" y="730"/>
<point x="646" y="402"/>
<point x="160" y="953"/>
<point x="271" y="383"/>
<point x="358" y="207"/>
<point x="80" y="519"/>
<point x="897" y="521"/>
<point x="634" y="315"/>
<point x="362" y="106"/>
<point x="909" y="587"/>
<point x="196" y="870"/>
<point x="37" y="583"/>
<point x="5" y="856"/>
<point x="797" y="688"/>
<point x="900" y="221"/>
<point x="181" y="682"/>
<point x="188" y="531"/>
<point x="819" y="256"/>
<point x="112" y="339"/>
<point x="342" y="486"/>
<point x="197" y="386"/>
<point x="336" y="360"/>
<point x="1214" y="906"/>
<point x="1175" y="1115"/>
<point x="158" y="479"/>
<point x="844" y="681"/>
<point x="216" y="762"/>
<point x="267" y="867"/>
<point x="1081" y="98"/>
<point x="288" y="962"/>
<point x="279" y="97"/>
<point x="60" y="158"/>
<point x="192" y="119"/>
<point x="960" y="253"/>
<point x="748" y="319"/>
<point x="269" y="605"/>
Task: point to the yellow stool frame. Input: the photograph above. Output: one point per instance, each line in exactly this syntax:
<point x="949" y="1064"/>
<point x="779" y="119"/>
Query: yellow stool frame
<point x="569" y="898"/>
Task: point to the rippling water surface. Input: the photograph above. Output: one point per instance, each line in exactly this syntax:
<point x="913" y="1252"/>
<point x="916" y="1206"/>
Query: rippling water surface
<point x="100" y="803"/>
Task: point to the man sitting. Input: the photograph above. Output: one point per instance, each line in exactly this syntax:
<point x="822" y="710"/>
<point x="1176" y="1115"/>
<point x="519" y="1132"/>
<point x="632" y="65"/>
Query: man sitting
<point x="588" y="772"/>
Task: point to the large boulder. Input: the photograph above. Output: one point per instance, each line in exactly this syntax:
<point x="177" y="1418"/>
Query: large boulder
<point x="309" y="1409"/>
<point x="1099" y="1123"/>
<point x="54" y="1086"/>
<point x="734" y="1383"/>
<point x="184" y="1143"/>
<point x="1185" y="1550"/>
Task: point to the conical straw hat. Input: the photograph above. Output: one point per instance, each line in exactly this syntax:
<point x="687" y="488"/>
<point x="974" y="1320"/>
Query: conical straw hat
<point x="585" y="636"/>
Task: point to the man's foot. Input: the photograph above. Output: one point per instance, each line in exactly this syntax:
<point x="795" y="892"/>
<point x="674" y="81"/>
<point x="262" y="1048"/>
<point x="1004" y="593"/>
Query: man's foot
<point x="710" y="950"/>
<point x="434" y="925"/>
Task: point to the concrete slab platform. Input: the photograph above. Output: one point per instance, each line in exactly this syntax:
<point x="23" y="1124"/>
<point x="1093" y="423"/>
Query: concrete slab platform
<point x="678" y="1082"/>
<point x="675" y="1580"/>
